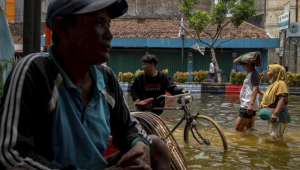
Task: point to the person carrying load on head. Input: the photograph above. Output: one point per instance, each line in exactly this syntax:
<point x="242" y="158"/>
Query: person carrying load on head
<point x="249" y="102"/>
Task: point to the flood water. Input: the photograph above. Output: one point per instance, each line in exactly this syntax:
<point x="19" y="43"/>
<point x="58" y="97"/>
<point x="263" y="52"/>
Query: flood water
<point x="247" y="150"/>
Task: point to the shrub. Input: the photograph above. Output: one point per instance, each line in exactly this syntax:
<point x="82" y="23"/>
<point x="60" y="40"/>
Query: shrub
<point x="199" y="76"/>
<point x="237" y="78"/>
<point x="232" y="77"/>
<point x="120" y="76"/>
<point x="138" y="72"/>
<point x="125" y="77"/>
<point x="291" y="78"/>
<point x="181" y="77"/>
<point x="263" y="77"/>
<point x="166" y="71"/>
<point x="297" y="79"/>
<point x="240" y="77"/>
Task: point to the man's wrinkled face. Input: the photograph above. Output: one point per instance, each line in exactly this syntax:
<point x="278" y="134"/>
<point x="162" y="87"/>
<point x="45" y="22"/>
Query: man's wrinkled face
<point x="90" y="38"/>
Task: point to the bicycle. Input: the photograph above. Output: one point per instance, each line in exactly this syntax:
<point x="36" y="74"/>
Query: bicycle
<point x="215" y="78"/>
<point x="203" y="129"/>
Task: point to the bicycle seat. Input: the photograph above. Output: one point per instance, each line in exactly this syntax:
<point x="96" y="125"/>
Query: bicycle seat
<point x="147" y="103"/>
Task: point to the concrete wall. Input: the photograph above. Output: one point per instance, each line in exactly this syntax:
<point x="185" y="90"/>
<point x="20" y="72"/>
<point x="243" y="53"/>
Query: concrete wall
<point x="257" y="20"/>
<point x="19" y="10"/>
<point x="272" y="56"/>
<point x="260" y="6"/>
<point x="271" y="10"/>
<point x="274" y="8"/>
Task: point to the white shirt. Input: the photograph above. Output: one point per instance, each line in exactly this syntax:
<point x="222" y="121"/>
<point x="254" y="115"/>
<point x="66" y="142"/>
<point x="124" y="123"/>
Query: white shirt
<point x="245" y="94"/>
<point x="211" y="68"/>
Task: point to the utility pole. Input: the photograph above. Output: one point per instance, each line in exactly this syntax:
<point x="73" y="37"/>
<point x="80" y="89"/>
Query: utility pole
<point x="296" y="46"/>
<point x="28" y="19"/>
<point x="31" y="27"/>
<point x="37" y="26"/>
<point x="181" y="34"/>
<point x="182" y="52"/>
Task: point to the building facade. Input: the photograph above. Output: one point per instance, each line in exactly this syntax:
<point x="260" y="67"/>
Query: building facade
<point x="268" y="12"/>
<point x="15" y="9"/>
<point x="153" y="26"/>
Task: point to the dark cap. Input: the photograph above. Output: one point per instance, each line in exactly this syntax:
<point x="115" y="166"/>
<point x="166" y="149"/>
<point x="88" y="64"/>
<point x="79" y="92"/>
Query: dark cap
<point x="61" y="8"/>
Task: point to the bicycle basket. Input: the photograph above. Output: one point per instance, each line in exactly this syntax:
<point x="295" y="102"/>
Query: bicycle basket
<point x="185" y="100"/>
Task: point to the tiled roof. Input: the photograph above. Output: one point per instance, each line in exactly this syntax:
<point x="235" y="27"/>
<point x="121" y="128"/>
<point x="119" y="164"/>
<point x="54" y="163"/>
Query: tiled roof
<point x="169" y="28"/>
<point x="16" y="29"/>
<point x="154" y="28"/>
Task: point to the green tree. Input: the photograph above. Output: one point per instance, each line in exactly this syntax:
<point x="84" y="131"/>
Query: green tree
<point x="213" y="23"/>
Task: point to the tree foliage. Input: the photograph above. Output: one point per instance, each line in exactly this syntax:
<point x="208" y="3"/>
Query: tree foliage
<point x="200" y="20"/>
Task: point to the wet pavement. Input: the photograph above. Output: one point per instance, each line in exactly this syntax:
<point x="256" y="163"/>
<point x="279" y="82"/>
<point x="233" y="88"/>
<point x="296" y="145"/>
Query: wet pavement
<point x="247" y="150"/>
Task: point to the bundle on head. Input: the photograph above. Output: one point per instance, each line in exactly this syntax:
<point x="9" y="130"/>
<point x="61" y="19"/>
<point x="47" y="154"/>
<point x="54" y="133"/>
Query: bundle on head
<point x="249" y="58"/>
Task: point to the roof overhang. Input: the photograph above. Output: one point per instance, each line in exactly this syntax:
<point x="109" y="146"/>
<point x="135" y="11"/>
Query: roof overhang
<point x="177" y="42"/>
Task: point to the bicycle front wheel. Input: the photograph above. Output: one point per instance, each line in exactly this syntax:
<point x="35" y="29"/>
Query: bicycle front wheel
<point x="205" y="133"/>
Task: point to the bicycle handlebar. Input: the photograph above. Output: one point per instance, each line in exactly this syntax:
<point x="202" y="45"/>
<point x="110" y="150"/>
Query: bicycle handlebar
<point x="174" y="96"/>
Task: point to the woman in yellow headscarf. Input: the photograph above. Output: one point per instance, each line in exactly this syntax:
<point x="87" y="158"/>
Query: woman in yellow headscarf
<point x="273" y="106"/>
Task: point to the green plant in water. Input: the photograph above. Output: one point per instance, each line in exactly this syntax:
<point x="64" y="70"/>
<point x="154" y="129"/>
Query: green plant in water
<point x="199" y="76"/>
<point x="232" y="77"/>
<point x="181" y="77"/>
<point x="166" y="71"/>
<point x="297" y="79"/>
<point x="264" y="77"/>
<point x="138" y="72"/>
<point x="125" y="77"/>
<point x="291" y="78"/>
<point x="240" y="77"/>
<point x="120" y="77"/>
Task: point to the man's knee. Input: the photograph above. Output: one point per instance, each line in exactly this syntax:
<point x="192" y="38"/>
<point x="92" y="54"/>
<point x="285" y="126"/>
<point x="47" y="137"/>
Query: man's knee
<point x="239" y="127"/>
<point x="159" y="145"/>
<point x="160" y="156"/>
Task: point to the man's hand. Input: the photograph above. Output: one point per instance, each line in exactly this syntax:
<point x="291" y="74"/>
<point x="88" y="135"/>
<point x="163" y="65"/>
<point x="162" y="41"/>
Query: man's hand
<point x="184" y="91"/>
<point x="144" y="159"/>
<point x="135" y="102"/>
<point x="137" y="158"/>
<point x="250" y="109"/>
<point x="259" y="91"/>
<point x="273" y="118"/>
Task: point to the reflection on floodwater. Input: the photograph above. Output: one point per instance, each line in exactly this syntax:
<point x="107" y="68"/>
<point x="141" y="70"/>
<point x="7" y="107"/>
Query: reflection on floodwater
<point x="247" y="150"/>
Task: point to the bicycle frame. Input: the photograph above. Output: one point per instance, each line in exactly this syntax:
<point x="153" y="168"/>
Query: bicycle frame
<point x="187" y="115"/>
<point x="190" y="119"/>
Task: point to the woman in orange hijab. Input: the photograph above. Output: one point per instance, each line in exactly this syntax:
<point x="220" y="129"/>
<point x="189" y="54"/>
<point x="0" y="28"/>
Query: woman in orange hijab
<point x="273" y="107"/>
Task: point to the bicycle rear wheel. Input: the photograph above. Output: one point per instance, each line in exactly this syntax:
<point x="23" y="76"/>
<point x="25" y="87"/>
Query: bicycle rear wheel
<point x="224" y="79"/>
<point x="153" y="124"/>
<point x="205" y="133"/>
